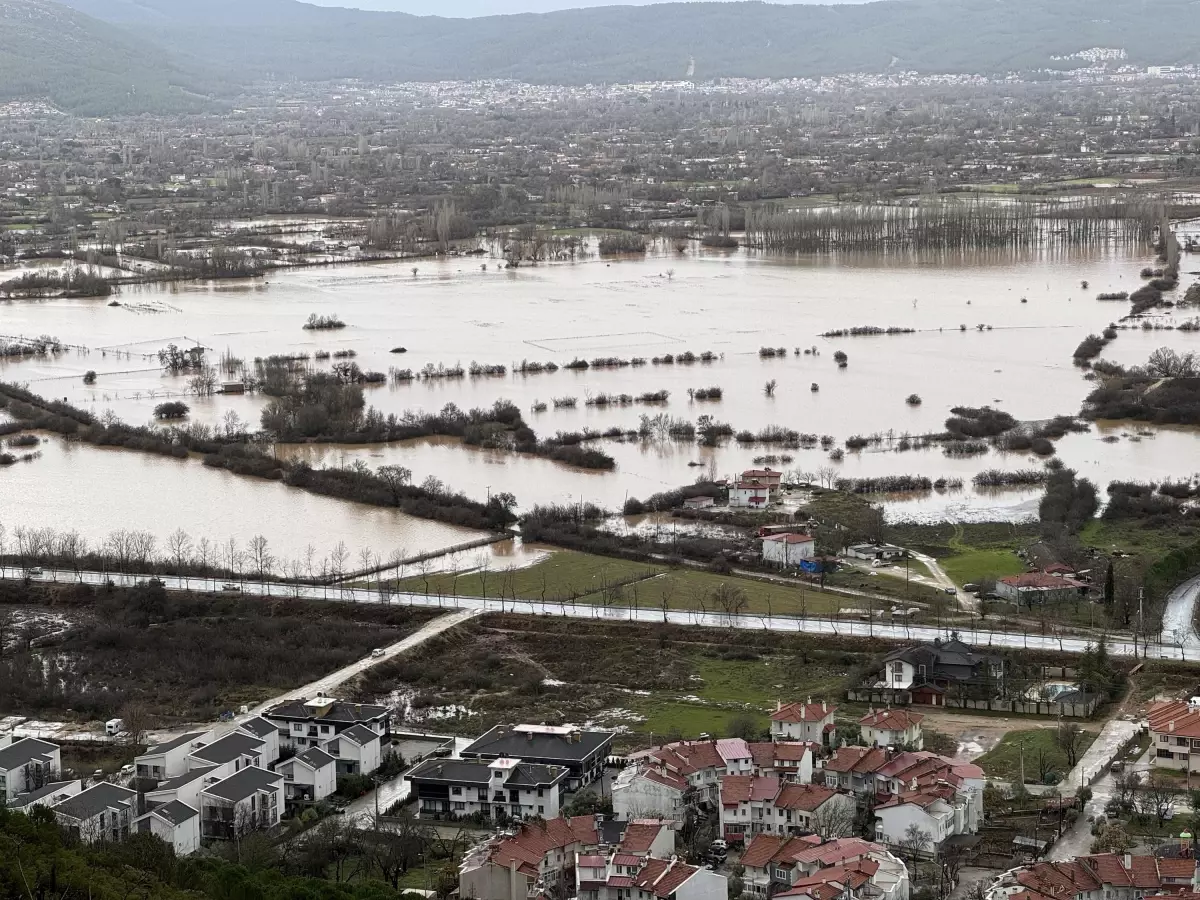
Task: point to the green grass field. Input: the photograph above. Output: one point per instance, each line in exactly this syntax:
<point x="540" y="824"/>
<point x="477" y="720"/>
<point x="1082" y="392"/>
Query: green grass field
<point x="1004" y="760"/>
<point x="974" y="566"/>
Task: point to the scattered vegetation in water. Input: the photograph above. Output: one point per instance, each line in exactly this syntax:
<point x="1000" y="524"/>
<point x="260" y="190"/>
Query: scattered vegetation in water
<point x="622" y="242"/>
<point x="173" y="409"/>
<point x="323" y="323"/>
<point x="705" y="393"/>
<point x="867" y="331"/>
<point x="1020" y="478"/>
<point x="19" y="348"/>
<point x="74" y="282"/>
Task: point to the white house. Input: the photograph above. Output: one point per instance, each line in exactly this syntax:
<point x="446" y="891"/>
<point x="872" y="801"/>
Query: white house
<point x="807" y="721"/>
<point x="176" y="823"/>
<point x="749" y="495"/>
<point x="230" y="754"/>
<point x="643" y="791"/>
<point x="788" y="549"/>
<point x="27" y="765"/>
<point x="311" y="723"/>
<point x="104" y="812"/>
<point x="940" y="811"/>
<point x="892" y="728"/>
<point x="185" y="788"/>
<point x="309" y="776"/>
<point x="170" y="758"/>
<point x="500" y="789"/>
<point x="249" y="800"/>
<point x="268" y="733"/>
<point x="48" y="795"/>
<point x="1175" y="729"/>
<point x="357" y="749"/>
<point x="538" y="856"/>
<point x="752" y="804"/>
<point x="820" y="869"/>
<point x="875" y="551"/>
<point x="619" y="875"/>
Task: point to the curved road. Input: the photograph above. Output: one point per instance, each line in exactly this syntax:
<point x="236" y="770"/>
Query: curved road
<point x="1178" y="643"/>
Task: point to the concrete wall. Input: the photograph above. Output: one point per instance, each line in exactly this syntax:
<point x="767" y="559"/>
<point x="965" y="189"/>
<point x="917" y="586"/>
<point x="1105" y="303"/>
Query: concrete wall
<point x="1020" y="707"/>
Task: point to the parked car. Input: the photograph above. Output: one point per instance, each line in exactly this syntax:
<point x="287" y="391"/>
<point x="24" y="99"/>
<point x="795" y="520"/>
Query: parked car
<point x="377" y="653"/>
<point x="231" y="587"/>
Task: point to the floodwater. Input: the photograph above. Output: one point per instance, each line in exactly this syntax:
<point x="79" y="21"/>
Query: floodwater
<point x="96" y="491"/>
<point x="731" y="303"/>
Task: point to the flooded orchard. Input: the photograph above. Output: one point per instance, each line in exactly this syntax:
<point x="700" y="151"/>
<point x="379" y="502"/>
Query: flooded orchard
<point x="988" y="328"/>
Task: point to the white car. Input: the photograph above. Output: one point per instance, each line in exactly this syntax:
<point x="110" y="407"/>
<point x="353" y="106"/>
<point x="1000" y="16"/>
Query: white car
<point x="377" y="653"/>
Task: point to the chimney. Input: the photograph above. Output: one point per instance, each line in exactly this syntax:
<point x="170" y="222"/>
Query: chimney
<point x="512" y="879"/>
<point x="778" y="704"/>
<point x="825" y="706"/>
<point x="1171" y="725"/>
<point x="1128" y="861"/>
<point x="803" y="711"/>
<point x="529" y="736"/>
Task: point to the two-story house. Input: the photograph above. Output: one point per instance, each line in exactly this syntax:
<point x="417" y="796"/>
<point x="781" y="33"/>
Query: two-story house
<point x="808" y="721"/>
<point x="498" y="790"/>
<point x="1103" y="876"/>
<point x="169" y="758"/>
<point x="777" y="866"/>
<point x="308" y="777"/>
<point x="624" y="876"/>
<point x="176" y="823"/>
<point x="358" y="750"/>
<point x="102" y="813"/>
<point x="1175" y="730"/>
<point x="230" y="754"/>
<point x="926" y="672"/>
<point x="753" y="805"/>
<point x="939" y="811"/>
<point x="540" y="856"/>
<point x="47" y="795"/>
<point x="26" y="765"/>
<point x="581" y="753"/>
<point x="312" y="723"/>
<point x="892" y="728"/>
<point x="644" y="791"/>
<point x="249" y="800"/>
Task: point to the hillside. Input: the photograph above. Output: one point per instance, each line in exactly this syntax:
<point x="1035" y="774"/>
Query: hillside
<point x="145" y="56"/>
<point x="85" y="66"/>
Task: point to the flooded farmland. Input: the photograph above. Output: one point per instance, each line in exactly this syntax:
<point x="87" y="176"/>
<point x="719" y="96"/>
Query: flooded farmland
<point x="987" y="329"/>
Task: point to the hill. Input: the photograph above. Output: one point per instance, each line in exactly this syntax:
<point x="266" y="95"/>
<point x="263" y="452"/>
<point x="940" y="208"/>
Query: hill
<point x="48" y="51"/>
<point x="618" y="43"/>
<point x="143" y="55"/>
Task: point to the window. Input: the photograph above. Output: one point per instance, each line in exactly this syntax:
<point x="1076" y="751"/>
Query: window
<point x="324" y="729"/>
<point x="542" y="791"/>
<point x="459" y="805"/>
<point x="1163" y="739"/>
<point x="541" y="810"/>
<point x="298" y="726"/>
<point x="456" y="791"/>
<point x="897" y="671"/>
<point x="920" y="670"/>
<point x="1181" y="742"/>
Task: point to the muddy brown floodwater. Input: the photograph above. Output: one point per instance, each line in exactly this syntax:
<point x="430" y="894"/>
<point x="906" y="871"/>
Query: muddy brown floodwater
<point x="731" y="303"/>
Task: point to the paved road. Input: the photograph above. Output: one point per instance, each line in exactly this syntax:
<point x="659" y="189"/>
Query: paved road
<point x="1188" y="649"/>
<point x="1179" y="617"/>
<point x="1078" y="840"/>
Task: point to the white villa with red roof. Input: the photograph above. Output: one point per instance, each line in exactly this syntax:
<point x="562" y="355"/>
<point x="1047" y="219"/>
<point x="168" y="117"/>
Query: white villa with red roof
<point x="627" y="876"/>
<point x="809" y="867"/>
<point x="1104" y="876"/>
<point x="892" y="728"/>
<point x="1175" y="726"/>
<point x="764" y="804"/>
<point x="537" y="857"/>
<point x="806" y="721"/>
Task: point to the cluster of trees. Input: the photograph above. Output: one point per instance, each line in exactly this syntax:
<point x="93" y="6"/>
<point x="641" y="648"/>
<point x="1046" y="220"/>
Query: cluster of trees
<point x="334" y="861"/>
<point x="1069" y="502"/>
<point x="1164" y="391"/>
<point x="176" y="657"/>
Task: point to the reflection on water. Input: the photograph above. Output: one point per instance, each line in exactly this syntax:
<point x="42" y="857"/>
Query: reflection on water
<point x="730" y="303"/>
<point x="95" y="491"/>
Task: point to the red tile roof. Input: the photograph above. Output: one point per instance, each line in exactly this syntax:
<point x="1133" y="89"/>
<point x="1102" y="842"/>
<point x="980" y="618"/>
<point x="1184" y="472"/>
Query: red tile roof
<point x="665" y="778"/>
<point x="1063" y="880"/>
<point x="804" y="797"/>
<point x="791" y="537"/>
<point x="737" y="789"/>
<point x="802" y="712"/>
<point x="1175" y="717"/>
<point x="859" y="760"/>
<point x="1040" y="580"/>
<point x="689" y="757"/>
<point x="733" y="748"/>
<point x="639" y="835"/>
<point x="891" y="719"/>
<point x="924" y="797"/>
<point x="529" y="846"/>
<point x="663" y="877"/>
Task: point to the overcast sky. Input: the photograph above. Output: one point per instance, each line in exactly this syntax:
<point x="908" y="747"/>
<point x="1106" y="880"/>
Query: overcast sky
<point x="471" y="8"/>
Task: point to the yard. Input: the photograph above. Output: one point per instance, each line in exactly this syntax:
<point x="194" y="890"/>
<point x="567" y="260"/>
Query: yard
<point x="641" y="680"/>
<point x="1038" y="747"/>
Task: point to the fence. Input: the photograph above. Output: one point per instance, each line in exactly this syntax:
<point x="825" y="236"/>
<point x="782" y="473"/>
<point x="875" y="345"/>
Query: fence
<point x="1082" y="710"/>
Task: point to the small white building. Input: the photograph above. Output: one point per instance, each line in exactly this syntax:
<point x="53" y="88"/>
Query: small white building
<point x="175" y="823"/>
<point x="749" y="495"/>
<point x="308" y="777"/>
<point x="939" y="810"/>
<point x="808" y="721"/>
<point x="249" y="800"/>
<point x="358" y="750"/>
<point x="646" y="792"/>
<point x="260" y="728"/>
<point x="501" y="789"/>
<point x="884" y="552"/>
<point x="48" y="795"/>
<point x="170" y="758"/>
<point x="892" y="728"/>
<point x="788" y="549"/>
<point x="28" y="765"/>
<point x="103" y="812"/>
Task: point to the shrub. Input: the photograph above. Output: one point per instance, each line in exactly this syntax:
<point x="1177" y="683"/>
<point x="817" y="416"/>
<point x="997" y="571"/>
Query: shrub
<point x="173" y="409"/>
<point x="89" y="377"/>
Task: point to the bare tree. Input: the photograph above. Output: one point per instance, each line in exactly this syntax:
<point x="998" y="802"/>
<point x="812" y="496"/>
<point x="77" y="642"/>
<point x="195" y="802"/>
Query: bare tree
<point x="338" y="559"/>
<point x="915" y="841"/>
<point x="179" y="548"/>
<point x="1069" y="737"/>
<point x="395" y="479"/>
<point x="834" y="818"/>
<point x="730" y="599"/>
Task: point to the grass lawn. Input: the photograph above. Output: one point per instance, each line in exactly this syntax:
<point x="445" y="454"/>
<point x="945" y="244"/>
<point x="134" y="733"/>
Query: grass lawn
<point x="691" y="720"/>
<point x="1004" y="760"/>
<point x="974" y="566"/>
<point x="563" y="574"/>
<point x="1136" y="538"/>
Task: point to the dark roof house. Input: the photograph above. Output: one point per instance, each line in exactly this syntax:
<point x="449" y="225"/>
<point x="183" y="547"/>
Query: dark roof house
<point x="946" y="664"/>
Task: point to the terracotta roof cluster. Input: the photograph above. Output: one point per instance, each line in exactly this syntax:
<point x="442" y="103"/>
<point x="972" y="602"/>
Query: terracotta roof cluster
<point x="923" y="797"/>
<point x="790" y="537"/>
<point x="1063" y="880"/>
<point x="804" y="797"/>
<point x="639" y="836"/>
<point x="802" y="712"/>
<point x="668" y="779"/>
<point x="663" y="877"/>
<point x="913" y="768"/>
<point x="688" y="757"/>
<point x="769" y="755"/>
<point x="857" y="760"/>
<point x="828" y="883"/>
<point x="1175" y="717"/>
<point x="529" y="846"/>
<point x="737" y="789"/>
<point x="891" y="719"/>
<point x="765" y="849"/>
